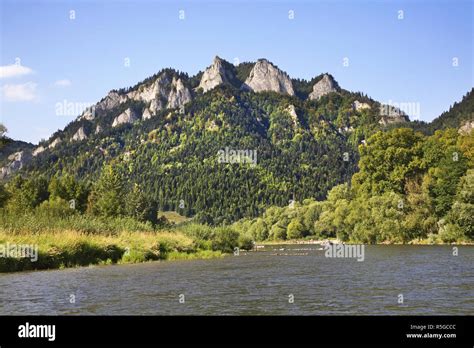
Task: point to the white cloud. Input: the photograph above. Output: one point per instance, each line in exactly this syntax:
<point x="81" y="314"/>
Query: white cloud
<point x="14" y="70"/>
<point x="20" y="92"/>
<point x="63" y="83"/>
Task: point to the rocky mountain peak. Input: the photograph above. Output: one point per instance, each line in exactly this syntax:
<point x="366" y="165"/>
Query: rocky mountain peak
<point x="267" y="77"/>
<point x="324" y="86"/>
<point x="179" y="94"/>
<point x="215" y="75"/>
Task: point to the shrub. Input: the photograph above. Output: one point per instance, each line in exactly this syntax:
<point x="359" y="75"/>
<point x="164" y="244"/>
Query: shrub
<point x="225" y="239"/>
<point x="246" y="242"/>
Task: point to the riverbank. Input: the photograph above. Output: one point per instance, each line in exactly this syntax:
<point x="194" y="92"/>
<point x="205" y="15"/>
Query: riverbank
<point x="70" y="248"/>
<point x="336" y="241"/>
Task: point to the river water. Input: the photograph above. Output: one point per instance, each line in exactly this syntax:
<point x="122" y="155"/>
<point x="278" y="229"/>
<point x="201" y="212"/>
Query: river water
<point x="298" y="280"/>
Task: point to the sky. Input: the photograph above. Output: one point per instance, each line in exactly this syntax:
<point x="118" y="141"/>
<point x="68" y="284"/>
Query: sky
<point x="62" y="53"/>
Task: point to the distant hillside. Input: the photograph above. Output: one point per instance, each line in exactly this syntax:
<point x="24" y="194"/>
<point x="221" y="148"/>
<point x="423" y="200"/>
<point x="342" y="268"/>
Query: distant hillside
<point x="457" y="115"/>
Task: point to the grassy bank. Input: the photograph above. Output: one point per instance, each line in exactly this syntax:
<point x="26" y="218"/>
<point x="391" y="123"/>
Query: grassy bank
<point x="70" y="248"/>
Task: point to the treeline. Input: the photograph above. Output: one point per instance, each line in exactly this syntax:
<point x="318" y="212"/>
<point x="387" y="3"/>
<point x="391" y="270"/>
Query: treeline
<point x="409" y="187"/>
<point x="62" y="196"/>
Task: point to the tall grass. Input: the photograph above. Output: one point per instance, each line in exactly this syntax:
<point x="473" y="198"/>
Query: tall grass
<point x="33" y="222"/>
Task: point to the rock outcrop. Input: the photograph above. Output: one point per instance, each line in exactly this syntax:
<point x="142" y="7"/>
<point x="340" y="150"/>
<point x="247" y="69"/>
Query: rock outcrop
<point x="153" y="93"/>
<point x="294" y="116"/>
<point x="357" y="106"/>
<point x="38" y="150"/>
<point x="17" y="161"/>
<point x="79" y="135"/>
<point x="55" y="143"/>
<point x="179" y="94"/>
<point x="112" y="100"/>
<point x="166" y="91"/>
<point x="390" y="114"/>
<point x="88" y="114"/>
<point x="146" y="114"/>
<point x="128" y="116"/>
<point x="267" y="77"/>
<point x="324" y="86"/>
<point x="466" y="128"/>
<point x="215" y="75"/>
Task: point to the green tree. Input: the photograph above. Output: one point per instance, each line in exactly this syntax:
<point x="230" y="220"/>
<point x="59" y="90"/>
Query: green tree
<point x="259" y="230"/>
<point x="295" y="229"/>
<point x="3" y="196"/>
<point x="68" y="188"/>
<point x="278" y="232"/>
<point x="108" y="195"/>
<point x="388" y="160"/>
<point x="27" y="194"/>
<point x="225" y="239"/>
<point x="462" y="212"/>
<point x="141" y="208"/>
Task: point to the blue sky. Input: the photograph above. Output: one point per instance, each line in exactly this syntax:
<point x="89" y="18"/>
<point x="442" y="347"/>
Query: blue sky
<point x="392" y="59"/>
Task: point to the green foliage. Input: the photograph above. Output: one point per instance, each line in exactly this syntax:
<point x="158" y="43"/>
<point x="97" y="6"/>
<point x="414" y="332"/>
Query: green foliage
<point x="409" y="187"/>
<point x="55" y="207"/>
<point x="278" y="231"/>
<point x="456" y="116"/>
<point x="462" y="212"/>
<point x="259" y="230"/>
<point x="26" y="194"/>
<point x="225" y="239"/>
<point x="3" y="196"/>
<point x="138" y="206"/>
<point x="108" y="195"/>
<point x="388" y="160"/>
<point x="68" y="188"/>
<point x="295" y="229"/>
<point x="246" y="242"/>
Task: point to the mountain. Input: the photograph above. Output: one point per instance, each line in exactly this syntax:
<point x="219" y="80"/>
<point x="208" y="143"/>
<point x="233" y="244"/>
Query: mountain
<point x="220" y="145"/>
<point x="460" y="115"/>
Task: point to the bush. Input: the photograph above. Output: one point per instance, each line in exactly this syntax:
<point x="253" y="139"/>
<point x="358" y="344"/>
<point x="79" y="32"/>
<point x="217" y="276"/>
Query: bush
<point x="246" y="242"/>
<point x="278" y="232"/>
<point x="451" y="233"/>
<point x="295" y="229"/>
<point x="55" y="208"/>
<point x="225" y="239"/>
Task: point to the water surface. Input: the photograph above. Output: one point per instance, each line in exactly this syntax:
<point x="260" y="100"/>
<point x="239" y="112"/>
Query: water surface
<point x="431" y="280"/>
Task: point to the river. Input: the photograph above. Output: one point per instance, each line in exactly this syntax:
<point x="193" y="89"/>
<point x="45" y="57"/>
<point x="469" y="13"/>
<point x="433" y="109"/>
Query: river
<point x="299" y="280"/>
